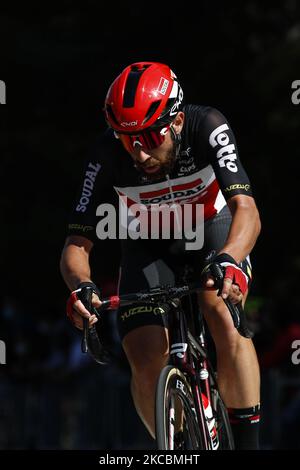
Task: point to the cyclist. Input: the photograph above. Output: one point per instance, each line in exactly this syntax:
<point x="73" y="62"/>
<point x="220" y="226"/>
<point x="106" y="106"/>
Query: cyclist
<point x="159" y="150"/>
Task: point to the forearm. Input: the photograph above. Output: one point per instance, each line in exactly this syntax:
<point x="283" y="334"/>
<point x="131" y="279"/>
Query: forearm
<point x="74" y="265"/>
<point x="243" y="233"/>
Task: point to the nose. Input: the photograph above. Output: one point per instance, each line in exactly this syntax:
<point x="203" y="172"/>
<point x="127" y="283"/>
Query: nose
<point x="141" y="156"/>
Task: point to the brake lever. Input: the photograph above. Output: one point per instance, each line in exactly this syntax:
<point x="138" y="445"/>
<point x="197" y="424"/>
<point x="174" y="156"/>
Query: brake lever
<point x="86" y="298"/>
<point x="234" y="313"/>
<point x="243" y="327"/>
<point x="217" y="274"/>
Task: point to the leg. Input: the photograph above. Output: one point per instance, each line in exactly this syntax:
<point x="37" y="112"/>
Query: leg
<point x="147" y="350"/>
<point x="238" y="370"/>
<point x="144" y="330"/>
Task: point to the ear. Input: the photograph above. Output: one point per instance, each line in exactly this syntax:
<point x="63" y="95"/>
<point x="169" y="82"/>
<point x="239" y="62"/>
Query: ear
<point x="178" y="122"/>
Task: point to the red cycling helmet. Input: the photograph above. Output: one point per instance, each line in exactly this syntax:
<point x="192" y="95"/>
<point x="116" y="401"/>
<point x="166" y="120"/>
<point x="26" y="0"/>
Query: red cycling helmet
<point x="146" y="95"/>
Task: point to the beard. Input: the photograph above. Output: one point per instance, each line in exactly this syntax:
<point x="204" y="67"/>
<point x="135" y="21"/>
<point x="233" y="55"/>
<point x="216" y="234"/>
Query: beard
<point x="166" y="165"/>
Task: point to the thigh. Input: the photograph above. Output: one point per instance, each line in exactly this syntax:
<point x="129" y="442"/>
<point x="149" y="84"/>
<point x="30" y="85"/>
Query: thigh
<point x="213" y="307"/>
<point x="147" y="347"/>
<point x="219" y="320"/>
<point x="142" y="267"/>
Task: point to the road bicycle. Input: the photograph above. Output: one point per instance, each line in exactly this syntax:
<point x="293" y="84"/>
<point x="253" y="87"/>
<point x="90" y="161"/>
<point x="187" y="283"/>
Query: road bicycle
<point x="189" y="411"/>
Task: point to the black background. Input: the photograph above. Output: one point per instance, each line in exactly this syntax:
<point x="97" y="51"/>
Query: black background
<point x="58" y="62"/>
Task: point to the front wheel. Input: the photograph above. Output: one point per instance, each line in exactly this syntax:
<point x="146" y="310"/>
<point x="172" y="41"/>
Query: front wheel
<point x="176" y="422"/>
<point x="225" y="436"/>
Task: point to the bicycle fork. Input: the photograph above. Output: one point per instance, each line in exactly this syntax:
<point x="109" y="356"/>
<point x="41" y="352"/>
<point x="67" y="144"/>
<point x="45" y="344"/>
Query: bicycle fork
<point x="181" y="358"/>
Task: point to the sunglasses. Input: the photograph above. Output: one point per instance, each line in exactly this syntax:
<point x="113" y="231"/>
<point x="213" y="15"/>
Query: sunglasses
<point x="149" y="139"/>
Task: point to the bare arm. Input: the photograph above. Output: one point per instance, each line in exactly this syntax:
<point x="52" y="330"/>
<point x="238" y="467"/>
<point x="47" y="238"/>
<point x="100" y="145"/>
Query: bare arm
<point x="75" y="268"/>
<point x="245" y="227"/>
<point x="243" y="233"/>
<point x="74" y="263"/>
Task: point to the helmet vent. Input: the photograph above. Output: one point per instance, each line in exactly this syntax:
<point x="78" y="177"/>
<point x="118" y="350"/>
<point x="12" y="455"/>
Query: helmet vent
<point x="111" y="114"/>
<point x="139" y="67"/>
<point x="152" y="108"/>
<point x="132" y="82"/>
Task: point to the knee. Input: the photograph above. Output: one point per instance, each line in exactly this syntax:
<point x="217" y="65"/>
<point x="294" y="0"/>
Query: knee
<point x="145" y="374"/>
<point x="221" y="327"/>
<point x="147" y="367"/>
<point x="147" y="354"/>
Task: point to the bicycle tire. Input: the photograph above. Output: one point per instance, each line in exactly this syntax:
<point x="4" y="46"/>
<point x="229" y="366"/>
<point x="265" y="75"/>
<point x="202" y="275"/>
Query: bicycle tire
<point x="172" y="384"/>
<point x="225" y="437"/>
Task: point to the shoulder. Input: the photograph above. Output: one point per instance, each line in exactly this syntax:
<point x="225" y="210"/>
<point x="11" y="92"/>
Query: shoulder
<point x="200" y="121"/>
<point x="200" y="114"/>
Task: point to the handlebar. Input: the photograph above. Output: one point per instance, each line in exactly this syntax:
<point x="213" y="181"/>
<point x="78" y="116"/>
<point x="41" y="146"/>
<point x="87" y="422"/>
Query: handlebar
<point x="167" y="293"/>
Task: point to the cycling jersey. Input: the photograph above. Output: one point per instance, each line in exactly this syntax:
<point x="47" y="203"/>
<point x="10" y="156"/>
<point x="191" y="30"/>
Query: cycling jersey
<point x="151" y="263"/>
<point x="207" y="171"/>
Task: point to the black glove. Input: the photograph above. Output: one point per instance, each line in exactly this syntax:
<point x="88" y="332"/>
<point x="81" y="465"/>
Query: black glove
<point x="84" y="293"/>
<point x="91" y="342"/>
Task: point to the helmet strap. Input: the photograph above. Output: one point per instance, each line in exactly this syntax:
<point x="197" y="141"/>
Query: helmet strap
<point x="177" y="139"/>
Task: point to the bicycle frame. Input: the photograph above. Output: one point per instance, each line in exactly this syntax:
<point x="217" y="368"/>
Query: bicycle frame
<point x="188" y="352"/>
<point x="189" y="355"/>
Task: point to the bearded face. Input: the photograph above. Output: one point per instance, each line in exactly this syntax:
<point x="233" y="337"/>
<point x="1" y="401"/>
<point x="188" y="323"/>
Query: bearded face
<point x="154" y="153"/>
<point x="160" y="163"/>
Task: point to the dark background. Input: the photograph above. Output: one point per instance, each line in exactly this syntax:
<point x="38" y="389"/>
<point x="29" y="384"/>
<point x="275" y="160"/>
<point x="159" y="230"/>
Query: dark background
<point x="58" y="63"/>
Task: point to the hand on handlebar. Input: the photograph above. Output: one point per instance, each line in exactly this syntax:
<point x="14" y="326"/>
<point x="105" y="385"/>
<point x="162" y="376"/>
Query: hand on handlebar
<point x="77" y="309"/>
<point x="229" y="289"/>
<point x="235" y="282"/>
<point x="167" y="293"/>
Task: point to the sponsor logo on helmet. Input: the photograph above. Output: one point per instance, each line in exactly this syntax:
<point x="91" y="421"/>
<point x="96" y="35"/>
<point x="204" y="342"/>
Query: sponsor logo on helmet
<point x="226" y="154"/>
<point x="163" y="86"/>
<point x="129" y="123"/>
<point x="176" y="106"/>
<point x="88" y="186"/>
